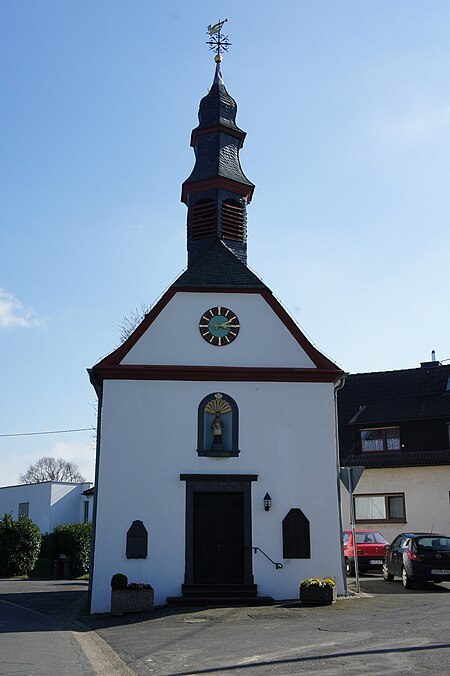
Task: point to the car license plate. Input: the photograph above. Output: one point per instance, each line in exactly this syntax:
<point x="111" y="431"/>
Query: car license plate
<point x="375" y="562"/>
<point x="438" y="571"/>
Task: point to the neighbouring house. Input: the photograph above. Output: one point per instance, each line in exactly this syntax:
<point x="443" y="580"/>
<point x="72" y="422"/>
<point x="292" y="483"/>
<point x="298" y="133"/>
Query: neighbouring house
<point x="48" y="503"/>
<point x="397" y="425"/>
<point x="217" y="462"/>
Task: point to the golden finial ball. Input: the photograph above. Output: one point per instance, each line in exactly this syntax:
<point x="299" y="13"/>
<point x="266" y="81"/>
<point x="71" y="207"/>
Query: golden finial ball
<point x="218" y="58"/>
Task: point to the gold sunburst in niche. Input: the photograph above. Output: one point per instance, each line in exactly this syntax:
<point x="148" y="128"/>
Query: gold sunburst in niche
<point x="218" y="405"/>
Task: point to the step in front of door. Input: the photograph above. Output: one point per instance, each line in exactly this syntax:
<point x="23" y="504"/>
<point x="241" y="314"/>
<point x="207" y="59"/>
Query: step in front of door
<point x="220" y="595"/>
<point x="218" y="590"/>
<point x="203" y="601"/>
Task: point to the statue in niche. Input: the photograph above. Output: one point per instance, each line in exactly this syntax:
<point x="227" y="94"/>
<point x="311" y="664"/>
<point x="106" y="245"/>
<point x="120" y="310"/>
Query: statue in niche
<point x="217" y="427"/>
<point x="218" y="407"/>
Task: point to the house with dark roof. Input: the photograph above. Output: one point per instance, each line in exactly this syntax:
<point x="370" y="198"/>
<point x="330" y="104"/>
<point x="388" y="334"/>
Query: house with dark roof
<point x="216" y="474"/>
<point x="397" y="425"/>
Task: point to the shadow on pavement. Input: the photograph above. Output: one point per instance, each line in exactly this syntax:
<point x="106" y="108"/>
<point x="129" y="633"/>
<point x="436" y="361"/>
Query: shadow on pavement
<point x="305" y="660"/>
<point x="55" y="603"/>
<point x="377" y="587"/>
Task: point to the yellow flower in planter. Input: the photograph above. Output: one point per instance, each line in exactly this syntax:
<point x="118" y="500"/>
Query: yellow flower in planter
<point x="318" y="582"/>
<point x="318" y="591"/>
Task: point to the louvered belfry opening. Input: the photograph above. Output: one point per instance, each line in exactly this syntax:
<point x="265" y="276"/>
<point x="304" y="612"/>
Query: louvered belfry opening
<point x="204" y="219"/>
<point x="233" y="220"/>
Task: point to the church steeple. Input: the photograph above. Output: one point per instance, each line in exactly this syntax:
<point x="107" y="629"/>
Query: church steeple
<point x="217" y="191"/>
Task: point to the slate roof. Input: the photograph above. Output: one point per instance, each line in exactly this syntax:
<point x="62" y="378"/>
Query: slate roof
<point x="217" y="154"/>
<point x="398" y="459"/>
<point x="218" y="107"/>
<point x="218" y="267"/>
<point x="394" y="397"/>
<point x="410" y="408"/>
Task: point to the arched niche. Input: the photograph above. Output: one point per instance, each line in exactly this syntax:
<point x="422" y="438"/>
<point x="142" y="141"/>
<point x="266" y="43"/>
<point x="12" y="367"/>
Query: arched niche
<point x="218" y="426"/>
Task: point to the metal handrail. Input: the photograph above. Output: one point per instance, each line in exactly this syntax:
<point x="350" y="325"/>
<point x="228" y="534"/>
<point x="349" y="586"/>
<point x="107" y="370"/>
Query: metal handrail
<point x="278" y="566"/>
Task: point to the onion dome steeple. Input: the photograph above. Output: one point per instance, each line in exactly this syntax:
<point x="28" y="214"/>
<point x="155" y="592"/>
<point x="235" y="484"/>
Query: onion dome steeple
<point x="217" y="191"/>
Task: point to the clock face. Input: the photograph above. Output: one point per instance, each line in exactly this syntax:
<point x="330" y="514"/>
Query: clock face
<point x="219" y="326"/>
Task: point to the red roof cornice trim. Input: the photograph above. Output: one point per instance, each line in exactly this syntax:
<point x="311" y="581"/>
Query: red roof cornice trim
<point x="218" y="373"/>
<point x="116" y="357"/>
<point x="221" y="128"/>
<point x="313" y="353"/>
<point x="217" y="182"/>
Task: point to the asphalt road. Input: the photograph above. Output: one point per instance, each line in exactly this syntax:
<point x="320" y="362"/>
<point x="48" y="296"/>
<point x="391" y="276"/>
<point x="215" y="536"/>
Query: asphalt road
<point x="39" y="636"/>
<point x="388" y="630"/>
<point x="31" y="643"/>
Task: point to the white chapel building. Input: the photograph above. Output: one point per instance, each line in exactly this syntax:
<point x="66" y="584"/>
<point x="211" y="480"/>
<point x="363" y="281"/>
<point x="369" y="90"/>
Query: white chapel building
<point x="216" y="476"/>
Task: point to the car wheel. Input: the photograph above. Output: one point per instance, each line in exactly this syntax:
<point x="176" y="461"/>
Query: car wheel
<point x="386" y="574"/>
<point x="349" y="568"/>
<point x="406" y="580"/>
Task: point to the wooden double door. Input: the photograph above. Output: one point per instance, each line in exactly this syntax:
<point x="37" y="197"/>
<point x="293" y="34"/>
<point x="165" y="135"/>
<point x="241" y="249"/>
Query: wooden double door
<point x="218" y="538"/>
<point x="218" y="529"/>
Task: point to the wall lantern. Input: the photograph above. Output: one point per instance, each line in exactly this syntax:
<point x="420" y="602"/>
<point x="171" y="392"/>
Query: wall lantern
<point x="267" y="502"/>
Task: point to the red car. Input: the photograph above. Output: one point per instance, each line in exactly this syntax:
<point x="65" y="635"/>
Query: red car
<point x="370" y="550"/>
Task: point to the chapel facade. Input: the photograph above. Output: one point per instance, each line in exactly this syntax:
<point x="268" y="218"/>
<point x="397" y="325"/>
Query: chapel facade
<point x="217" y="431"/>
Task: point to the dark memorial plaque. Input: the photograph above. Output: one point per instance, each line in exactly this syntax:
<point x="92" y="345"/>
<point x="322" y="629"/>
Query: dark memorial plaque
<point x="137" y="541"/>
<point x="296" y="538"/>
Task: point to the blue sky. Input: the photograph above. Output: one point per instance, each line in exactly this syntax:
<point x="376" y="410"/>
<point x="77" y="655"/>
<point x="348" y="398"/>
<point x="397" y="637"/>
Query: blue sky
<point x="347" y="110"/>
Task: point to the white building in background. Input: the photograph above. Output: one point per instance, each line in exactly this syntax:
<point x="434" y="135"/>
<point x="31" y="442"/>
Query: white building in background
<point x="48" y="503"/>
<point x="216" y="460"/>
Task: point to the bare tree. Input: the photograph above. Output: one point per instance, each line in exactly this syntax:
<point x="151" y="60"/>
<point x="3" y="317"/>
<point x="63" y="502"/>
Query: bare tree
<point x="129" y="323"/>
<point x="51" y="469"/>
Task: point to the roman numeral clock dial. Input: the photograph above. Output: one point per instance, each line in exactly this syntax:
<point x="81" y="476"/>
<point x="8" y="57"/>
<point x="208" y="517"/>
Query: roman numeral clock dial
<point x="219" y="326"/>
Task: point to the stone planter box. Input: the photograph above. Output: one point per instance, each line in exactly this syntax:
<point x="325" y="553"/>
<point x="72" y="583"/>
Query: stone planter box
<point x="317" y="596"/>
<point x="131" y="601"/>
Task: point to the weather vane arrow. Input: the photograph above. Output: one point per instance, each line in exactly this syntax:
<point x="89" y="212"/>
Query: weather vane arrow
<point x="218" y="42"/>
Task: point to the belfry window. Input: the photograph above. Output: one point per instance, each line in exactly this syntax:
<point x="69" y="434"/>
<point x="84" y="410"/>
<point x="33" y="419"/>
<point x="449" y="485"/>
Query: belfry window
<point x="233" y="220"/>
<point x="203" y="219"/>
<point x="218" y="426"/>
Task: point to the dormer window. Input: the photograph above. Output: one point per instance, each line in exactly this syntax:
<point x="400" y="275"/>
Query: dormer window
<point x="204" y="219"/>
<point x="233" y="220"/>
<point x="380" y="439"/>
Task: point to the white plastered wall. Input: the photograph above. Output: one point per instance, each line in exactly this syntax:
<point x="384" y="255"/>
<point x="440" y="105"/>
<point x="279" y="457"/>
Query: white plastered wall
<point x="174" y="337"/>
<point x="149" y="437"/>
<point x="426" y="490"/>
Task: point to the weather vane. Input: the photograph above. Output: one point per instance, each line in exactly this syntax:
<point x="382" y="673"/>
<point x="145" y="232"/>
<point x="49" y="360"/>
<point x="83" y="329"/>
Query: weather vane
<point x="217" y="42"/>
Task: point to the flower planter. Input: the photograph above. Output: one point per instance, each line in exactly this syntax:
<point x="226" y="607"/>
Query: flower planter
<point x="131" y="601"/>
<point x="317" y="596"/>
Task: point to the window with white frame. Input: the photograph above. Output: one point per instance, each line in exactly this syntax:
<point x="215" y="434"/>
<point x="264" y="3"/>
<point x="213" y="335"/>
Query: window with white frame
<point x="380" y="507"/>
<point x="380" y="439"/>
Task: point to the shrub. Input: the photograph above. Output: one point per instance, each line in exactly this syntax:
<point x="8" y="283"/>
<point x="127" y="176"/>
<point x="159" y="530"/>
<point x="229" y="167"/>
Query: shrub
<point x="139" y="585"/>
<point x="119" y="581"/>
<point x="72" y="540"/>
<point x="20" y="542"/>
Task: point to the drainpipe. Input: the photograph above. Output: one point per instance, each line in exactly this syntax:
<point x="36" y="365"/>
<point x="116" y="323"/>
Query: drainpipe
<point x="98" y="386"/>
<point x="338" y="385"/>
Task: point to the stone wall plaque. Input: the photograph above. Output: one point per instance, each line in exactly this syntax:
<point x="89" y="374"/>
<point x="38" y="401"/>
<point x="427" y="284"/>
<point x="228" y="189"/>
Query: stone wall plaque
<point x="137" y="541"/>
<point x="296" y="536"/>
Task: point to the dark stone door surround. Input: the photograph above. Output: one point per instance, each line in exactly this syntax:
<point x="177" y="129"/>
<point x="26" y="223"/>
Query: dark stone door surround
<point x="225" y="483"/>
